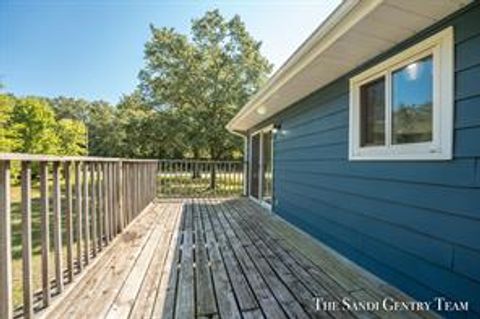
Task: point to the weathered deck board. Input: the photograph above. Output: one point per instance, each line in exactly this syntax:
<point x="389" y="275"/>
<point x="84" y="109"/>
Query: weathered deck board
<point x="217" y="258"/>
<point x="227" y="305"/>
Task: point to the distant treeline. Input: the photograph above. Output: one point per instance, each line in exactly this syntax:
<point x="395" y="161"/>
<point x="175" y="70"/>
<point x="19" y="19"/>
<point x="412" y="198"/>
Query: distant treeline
<point x="69" y="126"/>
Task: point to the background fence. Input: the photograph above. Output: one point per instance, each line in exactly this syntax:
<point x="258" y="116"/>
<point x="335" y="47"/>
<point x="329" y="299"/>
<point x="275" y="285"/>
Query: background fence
<point x="194" y="178"/>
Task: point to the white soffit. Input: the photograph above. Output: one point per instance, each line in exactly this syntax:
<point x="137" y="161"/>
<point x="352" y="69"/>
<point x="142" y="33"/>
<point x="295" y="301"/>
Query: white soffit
<point x="355" y="32"/>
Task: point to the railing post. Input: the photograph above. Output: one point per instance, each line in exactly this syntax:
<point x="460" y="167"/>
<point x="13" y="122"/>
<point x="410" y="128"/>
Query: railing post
<point x="27" y="239"/>
<point x="57" y="232"/>
<point x="6" y="303"/>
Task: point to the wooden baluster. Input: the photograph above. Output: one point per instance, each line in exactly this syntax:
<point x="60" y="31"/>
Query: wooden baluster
<point x="69" y="220"/>
<point x="238" y="174"/>
<point x="114" y="200"/>
<point x="168" y="178"/>
<point x="140" y="193"/>
<point x="154" y="179"/>
<point x="162" y="178"/>
<point x="137" y="183"/>
<point x="228" y="178"/>
<point x="132" y="190"/>
<point x="57" y="227"/>
<point x="149" y="181"/>
<point x="139" y="186"/>
<point x="120" y="196"/>
<point x="93" y="201"/>
<point x="106" y="202"/>
<point x="131" y="197"/>
<point x="86" y="212"/>
<point x="101" y="207"/>
<point x="126" y="198"/>
<point x="79" y="211"/>
<point x="233" y="170"/>
<point x="27" y="240"/>
<point x="135" y="189"/>
<point x="110" y="202"/>
<point x="143" y="188"/>
<point x="6" y="303"/>
<point x="123" y="197"/>
<point x="45" y="233"/>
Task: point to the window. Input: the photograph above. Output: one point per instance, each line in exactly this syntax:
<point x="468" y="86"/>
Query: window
<point x="402" y="108"/>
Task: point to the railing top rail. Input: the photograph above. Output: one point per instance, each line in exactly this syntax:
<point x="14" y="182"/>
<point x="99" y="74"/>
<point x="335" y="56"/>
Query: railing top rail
<point x="54" y="158"/>
<point x="191" y="160"/>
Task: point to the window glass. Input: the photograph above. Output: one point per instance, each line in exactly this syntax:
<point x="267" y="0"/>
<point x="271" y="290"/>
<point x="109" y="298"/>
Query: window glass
<point x="372" y="113"/>
<point x="412" y="100"/>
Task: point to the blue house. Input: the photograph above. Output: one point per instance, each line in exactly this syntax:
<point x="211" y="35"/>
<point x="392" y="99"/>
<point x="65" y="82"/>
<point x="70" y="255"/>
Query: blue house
<point x="368" y="138"/>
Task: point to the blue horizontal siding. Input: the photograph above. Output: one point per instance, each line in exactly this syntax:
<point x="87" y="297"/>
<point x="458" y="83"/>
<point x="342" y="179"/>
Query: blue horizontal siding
<point x="467" y="142"/>
<point x="466" y="53"/>
<point x="429" y="223"/>
<point x="415" y="224"/>
<point x="467" y="83"/>
<point x="467" y="112"/>
<point x="454" y="200"/>
<point x="448" y="173"/>
<point x="434" y="250"/>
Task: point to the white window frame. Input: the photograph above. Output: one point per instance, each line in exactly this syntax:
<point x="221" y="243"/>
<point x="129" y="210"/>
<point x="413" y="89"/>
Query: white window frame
<point x="440" y="46"/>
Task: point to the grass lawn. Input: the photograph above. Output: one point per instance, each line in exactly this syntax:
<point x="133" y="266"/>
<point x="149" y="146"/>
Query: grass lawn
<point x="182" y="184"/>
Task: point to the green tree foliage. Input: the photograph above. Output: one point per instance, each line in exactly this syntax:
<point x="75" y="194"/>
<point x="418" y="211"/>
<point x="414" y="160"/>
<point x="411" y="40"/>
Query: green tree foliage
<point x="34" y="121"/>
<point x="71" y="134"/>
<point x="203" y="80"/>
<point x="8" y="137"/>
<point x="70" y="108"/>
<point x="29" y="125"/>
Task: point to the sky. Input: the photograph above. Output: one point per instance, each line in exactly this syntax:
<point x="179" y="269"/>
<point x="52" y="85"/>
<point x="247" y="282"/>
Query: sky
<point x="93" y="49"/>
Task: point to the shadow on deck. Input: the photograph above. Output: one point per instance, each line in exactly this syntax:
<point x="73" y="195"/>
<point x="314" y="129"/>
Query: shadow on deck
<point x="218" y="258"/>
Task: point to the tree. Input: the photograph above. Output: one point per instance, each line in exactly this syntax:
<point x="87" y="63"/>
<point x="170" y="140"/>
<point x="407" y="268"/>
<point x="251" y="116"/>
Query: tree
<point x="33" y="122"/>
<point x="72" y="137"/>
<point x="204" y="79"/>
<point x="105" y="134"/>
<point x="71" y="108"/>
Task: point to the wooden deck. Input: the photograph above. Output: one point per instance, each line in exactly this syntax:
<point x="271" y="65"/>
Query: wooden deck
<point x="217" y="258"/>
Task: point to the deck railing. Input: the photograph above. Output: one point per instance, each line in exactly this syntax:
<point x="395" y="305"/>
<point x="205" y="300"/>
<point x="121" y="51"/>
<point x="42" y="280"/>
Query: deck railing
<point x="200" y="178"/>
<point x="91" y="200"/>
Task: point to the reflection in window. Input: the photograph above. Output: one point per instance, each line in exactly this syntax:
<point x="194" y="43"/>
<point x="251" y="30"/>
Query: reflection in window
<point x="372" y="113"/>
<point x="412" y="100"/>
